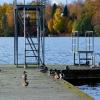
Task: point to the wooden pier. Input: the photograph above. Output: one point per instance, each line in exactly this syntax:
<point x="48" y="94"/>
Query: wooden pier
<point x="82" y="75"/>
<point x="79" y="75"/>
<point x="41" y="86"/>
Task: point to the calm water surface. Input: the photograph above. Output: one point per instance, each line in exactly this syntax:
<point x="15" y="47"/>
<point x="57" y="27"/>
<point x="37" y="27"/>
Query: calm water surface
<point x="57" y="51"/>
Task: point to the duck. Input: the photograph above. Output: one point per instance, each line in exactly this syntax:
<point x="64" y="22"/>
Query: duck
<point x="56" y="76"/>
<point x="25" y="83"/>
<point x="44" y="68"/>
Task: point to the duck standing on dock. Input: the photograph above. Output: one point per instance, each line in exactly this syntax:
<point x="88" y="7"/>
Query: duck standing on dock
<point x="60" y="75"/>
<point x="44" y="68"/>
<point x="24" y="79"/>
<point x="56" y="76"/>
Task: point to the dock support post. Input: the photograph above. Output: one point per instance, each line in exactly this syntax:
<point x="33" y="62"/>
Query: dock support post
<point x="24" y="35"/>
<point x="74" y="58"/>
<point x="15" y="36"/>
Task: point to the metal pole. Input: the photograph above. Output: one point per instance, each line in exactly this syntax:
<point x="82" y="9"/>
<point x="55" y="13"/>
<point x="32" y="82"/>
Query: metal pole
<point x="73" y="46"/>
<point x="15" y="55"/>
<point x="14" y="33"/>
<point x="74" y="58"/>
<point x="78" y="42"/>
<point x="78" y="46"/>
<point x="15" y="36"/>
<point x="90" y="42"/>
<point x="72" y="41"/>
<point x="43" y="40"/>
<point x="41" y="35"/>
<point x="86" y="36"/>
<point x="79" y="59"/>
<point x="93" y="41"/>
<point x="92" y="48"/>
<point x="38" y="40"/>
<point x="38" y="36"/>
<point x="24" y="36"/>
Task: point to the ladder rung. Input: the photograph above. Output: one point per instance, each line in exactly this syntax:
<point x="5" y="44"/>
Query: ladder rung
<point x="31" y="44"/>
<point x="31" y="50"/>
<point x="31" y="56"/>
<point x="85" y="58"/>
<point x="31" y="63"/>
<point x="76" y="59"/>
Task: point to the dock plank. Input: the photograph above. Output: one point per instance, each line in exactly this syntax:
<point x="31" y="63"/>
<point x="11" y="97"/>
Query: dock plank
<point x="41" y="86"/>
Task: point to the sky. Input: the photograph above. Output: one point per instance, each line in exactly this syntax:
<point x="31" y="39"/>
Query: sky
<point x="62" y="1"/>
<point x="53" y="1"/>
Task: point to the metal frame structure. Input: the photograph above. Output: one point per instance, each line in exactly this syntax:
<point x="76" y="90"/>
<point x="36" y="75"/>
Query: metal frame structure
<point x="83" y="52"/>
<point x="33" y="48"/>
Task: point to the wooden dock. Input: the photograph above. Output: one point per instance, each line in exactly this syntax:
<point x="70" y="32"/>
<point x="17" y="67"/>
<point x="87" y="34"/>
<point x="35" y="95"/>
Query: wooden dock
<point x="41" y="86"/>
<point x="79" y="75"/>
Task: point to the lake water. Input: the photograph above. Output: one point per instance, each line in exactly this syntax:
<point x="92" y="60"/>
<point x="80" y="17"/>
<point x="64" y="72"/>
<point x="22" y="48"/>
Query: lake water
<point x="58" y="50"/>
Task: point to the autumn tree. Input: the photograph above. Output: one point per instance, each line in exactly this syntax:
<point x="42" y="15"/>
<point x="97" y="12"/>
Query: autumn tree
<point x="89" y="7"/>
<point x="48" y="11"/>
<point x="58" y="21"/>
<point x="0" y="19"/>
<point x="54" y="7"/>
<point x="69" y="26"/>
<point x="68" y="20"/>
<point x="82" y="25"/>
<point x="50" y="25"/>
<point x="61" y="22"/>
<point x="10" y="19"/>
<point x="96" y="18"/>
<point x="6" y="19"/>
<point x="66" y="11"/>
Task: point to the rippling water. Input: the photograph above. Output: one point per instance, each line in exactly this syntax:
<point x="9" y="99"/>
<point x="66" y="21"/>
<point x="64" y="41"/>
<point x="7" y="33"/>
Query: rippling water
<point x="93" y="91"/>
<point x="57" y="51"/>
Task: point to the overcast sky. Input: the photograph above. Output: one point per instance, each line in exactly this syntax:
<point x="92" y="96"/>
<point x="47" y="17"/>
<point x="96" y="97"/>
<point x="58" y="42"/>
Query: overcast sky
<point x="53" y="1"/>
<point x="62" y="1"/>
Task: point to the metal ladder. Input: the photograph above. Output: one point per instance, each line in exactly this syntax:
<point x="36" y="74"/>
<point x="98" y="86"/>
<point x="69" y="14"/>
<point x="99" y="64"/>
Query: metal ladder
<point x="75" y="46"/>
<point x="31" y="47"/>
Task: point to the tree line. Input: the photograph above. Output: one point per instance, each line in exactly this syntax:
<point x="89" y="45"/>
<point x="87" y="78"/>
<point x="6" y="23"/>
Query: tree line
<point x="60" y="20"/>
<point x="6" y="20"/>
<point x="78" y="16"/>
